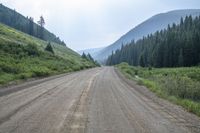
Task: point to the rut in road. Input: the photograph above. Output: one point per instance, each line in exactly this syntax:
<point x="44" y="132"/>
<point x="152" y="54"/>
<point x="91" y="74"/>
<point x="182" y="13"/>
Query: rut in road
<point x="98" y="100"/>
<point x="76" y="121"/>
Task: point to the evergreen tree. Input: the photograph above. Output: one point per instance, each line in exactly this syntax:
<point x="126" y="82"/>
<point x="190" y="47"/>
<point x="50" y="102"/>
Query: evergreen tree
<point x="41" y="23"/>
<point x="49" y="48"/>
<point x="142" y="63"/>
<point x="84" y="56"/>
<point x="180" y="58"/>
<point x="89" y="57"/>
<point x="31" y="29"/>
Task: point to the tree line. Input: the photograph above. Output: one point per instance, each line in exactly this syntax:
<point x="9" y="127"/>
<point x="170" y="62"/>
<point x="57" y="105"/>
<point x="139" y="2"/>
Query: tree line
<point x="176" y="46"/>
<point x="27" y="25"/>
<point x="88" y="57"/>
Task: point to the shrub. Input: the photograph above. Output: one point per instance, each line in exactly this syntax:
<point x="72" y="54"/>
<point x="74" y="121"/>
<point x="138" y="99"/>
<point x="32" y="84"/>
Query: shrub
<point x="9" y="68"/>
<point x="4" y="78"/>
<point x="42" y="71"/>
<point x="24" y="75"/>
<point x="32" y="50"/>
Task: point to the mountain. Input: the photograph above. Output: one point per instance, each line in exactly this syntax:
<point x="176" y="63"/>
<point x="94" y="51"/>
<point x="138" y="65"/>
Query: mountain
<point x="25" y="24"/>
<point x="23" y="56"/>
<point x="176" y="46"/>
<point x="155" y="23"/>
<point x="92" y="51"/>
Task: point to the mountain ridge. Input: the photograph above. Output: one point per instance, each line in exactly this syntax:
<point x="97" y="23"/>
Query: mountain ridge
<point x="155" y="23"/>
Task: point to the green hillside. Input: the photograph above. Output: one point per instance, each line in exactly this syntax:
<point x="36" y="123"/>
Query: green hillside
<point x="16" y="20"/>
<point x="23" y="56"/>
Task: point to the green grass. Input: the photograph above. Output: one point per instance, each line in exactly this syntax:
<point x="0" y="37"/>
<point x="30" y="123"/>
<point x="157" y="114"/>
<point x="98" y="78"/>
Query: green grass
<point x="178" y="85"/>
<point x="23" y="56"/>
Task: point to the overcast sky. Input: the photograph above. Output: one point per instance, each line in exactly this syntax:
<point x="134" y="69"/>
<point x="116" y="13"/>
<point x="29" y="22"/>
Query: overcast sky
<point x="86" y="24"/>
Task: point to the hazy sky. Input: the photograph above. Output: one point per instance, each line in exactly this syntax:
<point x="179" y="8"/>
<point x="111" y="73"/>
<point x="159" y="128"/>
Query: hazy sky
<point x="86" y="24"/>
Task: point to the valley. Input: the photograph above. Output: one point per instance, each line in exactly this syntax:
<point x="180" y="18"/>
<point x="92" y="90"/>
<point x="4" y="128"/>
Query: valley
<point x="146" y="81"/>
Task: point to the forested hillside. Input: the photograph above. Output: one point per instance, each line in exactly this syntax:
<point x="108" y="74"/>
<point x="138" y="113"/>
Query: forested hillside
<point x="27" y="25"/>
<point x="156" y="23"/>
<point x="178" y="45"/>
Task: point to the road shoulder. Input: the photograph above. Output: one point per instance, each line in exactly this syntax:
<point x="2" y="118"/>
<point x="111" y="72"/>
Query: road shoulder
<point x="191" y="121"/>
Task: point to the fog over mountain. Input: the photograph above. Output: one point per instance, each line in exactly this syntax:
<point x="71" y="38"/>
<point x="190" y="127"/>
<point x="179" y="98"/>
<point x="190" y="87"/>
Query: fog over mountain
<point x="92" y="51"/>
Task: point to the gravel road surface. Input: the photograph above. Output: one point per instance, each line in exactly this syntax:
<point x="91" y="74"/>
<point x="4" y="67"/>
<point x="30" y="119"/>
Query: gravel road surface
<point x="98" y="100"/>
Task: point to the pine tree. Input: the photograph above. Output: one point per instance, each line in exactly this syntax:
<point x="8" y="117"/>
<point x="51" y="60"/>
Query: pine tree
<point x="180" y="58"/>
<point x="49" y="48"/>
<point x="84" y="56"/>
<point x="31" y="29"/>
<point x="89" y="57"/>
<point x="142" y="63"/>
<point x="41" y="23"/>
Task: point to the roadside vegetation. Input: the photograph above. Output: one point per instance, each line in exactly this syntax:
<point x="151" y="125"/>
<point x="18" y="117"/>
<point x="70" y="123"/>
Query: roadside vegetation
<point x="23" y="56"/>
<point x="178" y="85"/>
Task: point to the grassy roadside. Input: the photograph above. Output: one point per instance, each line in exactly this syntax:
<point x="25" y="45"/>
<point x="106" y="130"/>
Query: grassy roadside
<point x="178" y="85"/>
<point x="23" y="56"/>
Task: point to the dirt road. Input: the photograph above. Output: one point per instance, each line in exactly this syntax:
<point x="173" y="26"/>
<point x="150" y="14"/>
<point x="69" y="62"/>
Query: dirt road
<point x="98" y="100"/>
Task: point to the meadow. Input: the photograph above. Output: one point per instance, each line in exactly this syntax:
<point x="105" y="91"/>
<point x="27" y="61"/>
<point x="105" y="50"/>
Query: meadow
<point x="178" y="85"/>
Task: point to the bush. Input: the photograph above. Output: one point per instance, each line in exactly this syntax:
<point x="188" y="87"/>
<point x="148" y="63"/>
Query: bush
<point x="4" y="78"/>
<point x="181" y="87"/>
<point x="32" y="50"/>
<point x="24" y="75"/>
<point x="42" y="71"/>
<point x="194" y="75"/>
<point x="130" y="72"/>
<point x="9" y="68"/>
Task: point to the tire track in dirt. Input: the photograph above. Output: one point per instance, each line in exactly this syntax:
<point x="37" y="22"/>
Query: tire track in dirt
<point x="76" y="120"/>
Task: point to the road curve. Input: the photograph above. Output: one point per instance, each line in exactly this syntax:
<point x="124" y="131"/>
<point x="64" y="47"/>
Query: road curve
<point x="98" y="100"/>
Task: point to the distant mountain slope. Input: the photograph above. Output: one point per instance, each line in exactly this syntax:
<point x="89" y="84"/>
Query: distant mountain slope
<point x="177" y="46"/>
<point x="16" y="20"/>
<point x="149" y="26"/>
<point x="92" y="51"/>
<point x="23" y="56"/>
